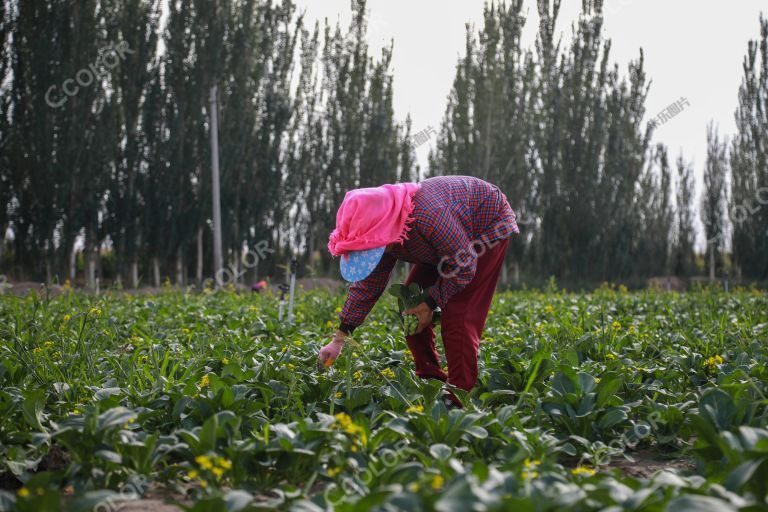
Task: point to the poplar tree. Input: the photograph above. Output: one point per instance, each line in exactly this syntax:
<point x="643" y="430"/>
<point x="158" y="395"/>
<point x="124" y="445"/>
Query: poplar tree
<point x="749" y="163"/>
<point x="713" y="200"/>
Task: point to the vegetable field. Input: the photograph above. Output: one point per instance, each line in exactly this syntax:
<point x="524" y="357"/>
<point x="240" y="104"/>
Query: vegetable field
<point x="634" y="401"/>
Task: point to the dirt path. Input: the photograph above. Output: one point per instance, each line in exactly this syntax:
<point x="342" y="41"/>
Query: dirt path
<point x="151" y="505"/>
<point x="647" y="463"/>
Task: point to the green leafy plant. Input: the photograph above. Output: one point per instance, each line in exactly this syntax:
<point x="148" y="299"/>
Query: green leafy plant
<point x="408" y="297"/>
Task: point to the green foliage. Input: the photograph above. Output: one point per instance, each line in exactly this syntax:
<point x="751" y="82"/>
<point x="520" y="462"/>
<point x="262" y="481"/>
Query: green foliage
<point x="408" y="297"/>
<point x="209" y="400"/>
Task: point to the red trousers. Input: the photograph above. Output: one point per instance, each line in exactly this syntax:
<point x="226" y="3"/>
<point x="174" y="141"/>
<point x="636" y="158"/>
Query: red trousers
<point x="462" y="320"/>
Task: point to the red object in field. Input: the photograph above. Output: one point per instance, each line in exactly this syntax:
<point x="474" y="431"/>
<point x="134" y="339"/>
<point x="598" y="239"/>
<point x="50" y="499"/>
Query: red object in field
<point x="461" y="321"/>
<point x="261" y="285"/>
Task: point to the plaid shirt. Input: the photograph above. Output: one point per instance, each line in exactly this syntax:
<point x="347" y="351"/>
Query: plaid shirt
<point x="452" y="217"/>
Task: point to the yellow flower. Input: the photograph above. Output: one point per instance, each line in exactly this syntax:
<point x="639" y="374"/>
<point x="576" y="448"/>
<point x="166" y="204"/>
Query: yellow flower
<point x="298" y="343"/>
<point x="192" y="474"/>
<point x="291" y="366"/>
<point x="23" y="492"/>
<point x="204" y="461"/>
<point x="338" y="310"/>
<point x="328" y="324"/>
<point x="616" y="325"/>
<point x="358" y="375"/>
<point x="343" y="419"/>
<point x="437" y="482"/>
<point x="224" y="360"/>
<point x="67" y="318"/>
<point x="582" y="471"/>
<point x="339" y="394"/>
<point x="223" y="463"/>
<point x="332" y="472"/>
<point x="712" y="363"/>
<point x="94" y="311"/>
<point x="414" y="487"/>
<point x="597" y="380"/>
<point x="217" y="471"/>
<point x="632" y="329"/>
<point x="205" y="381"/>
<point x="610" y="357"/>
<point x="528" y="463"/>
<point x="415" y="408"/>
<point x="549" y="308"/>
<point x="623" y="289"/>
<point x="530" y="474"/>
<point x="388" y="373"/>
<point x="37" y="350"/>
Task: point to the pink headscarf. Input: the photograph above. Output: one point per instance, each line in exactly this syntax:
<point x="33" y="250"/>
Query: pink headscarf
<point x="369" y="218"/>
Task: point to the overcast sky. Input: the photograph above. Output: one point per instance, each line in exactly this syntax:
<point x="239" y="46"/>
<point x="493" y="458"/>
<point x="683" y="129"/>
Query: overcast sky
<point x="694" y="49"/>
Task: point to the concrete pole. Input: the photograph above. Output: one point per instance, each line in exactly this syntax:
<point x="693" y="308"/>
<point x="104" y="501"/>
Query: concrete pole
<point x="217" y="253"/>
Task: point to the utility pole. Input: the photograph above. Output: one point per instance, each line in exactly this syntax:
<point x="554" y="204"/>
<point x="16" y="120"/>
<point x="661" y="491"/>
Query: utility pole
<point x="217" y="255"/>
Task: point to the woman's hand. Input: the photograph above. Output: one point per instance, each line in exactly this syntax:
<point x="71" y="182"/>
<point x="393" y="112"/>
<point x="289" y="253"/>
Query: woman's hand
<point x="330" y="352"/>
<point x="424" y="313"/>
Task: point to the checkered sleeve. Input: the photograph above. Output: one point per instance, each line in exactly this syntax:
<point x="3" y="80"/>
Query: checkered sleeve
<point x="458" y="259"/>
<point x="364" y="294"/>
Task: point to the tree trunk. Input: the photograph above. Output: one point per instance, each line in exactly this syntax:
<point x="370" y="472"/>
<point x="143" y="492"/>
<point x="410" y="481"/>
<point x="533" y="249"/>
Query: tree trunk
<point x="156" y="271"/>
<point x="90" y="268"/>
<point x="72" y="265"/>
<point x="134" y="274"/>
<point x="199" y="270"/>
<point x="712" y="262"/>
<point x="48" y="269"/>
<point x="3" y="229"/>
<point x="180" y="274"/>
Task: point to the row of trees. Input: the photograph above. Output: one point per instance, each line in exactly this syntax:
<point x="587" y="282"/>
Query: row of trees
<point x="560" y="129"/>
<point x="105" y="131"/>
<point x="104" y="140"/>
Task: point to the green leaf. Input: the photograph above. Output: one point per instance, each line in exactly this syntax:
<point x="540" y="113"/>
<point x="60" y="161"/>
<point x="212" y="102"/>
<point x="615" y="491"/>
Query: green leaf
<point x="693" y="503"/>
<point x="32" y="409"/>
<point x="743" y="474"/>
<point x="612" y="417"/>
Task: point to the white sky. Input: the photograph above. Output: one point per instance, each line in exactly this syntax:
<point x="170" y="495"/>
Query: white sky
<point x="694" y="49"/>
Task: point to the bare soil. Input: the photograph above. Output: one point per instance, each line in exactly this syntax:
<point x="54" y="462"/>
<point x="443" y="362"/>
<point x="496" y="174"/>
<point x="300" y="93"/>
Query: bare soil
<point x="647" y="463"/>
